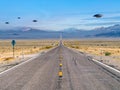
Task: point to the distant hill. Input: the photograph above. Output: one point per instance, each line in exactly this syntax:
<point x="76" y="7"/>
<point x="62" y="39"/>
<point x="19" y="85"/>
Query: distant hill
<point x="113" y="31"/>
<point x="27" y="33"/>
<point x="31" y="33"/>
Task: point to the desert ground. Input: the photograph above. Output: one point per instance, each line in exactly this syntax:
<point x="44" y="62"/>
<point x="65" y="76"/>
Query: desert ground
<point x="23" y="50"/>
<point x="106" y="51"/>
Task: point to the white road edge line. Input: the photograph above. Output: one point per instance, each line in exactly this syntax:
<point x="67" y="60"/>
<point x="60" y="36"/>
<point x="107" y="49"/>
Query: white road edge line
<point x="117" y="71"/>
<point x="12" y="68"/>
<point x="18" y="65"/>
<point x="106" y="66"/>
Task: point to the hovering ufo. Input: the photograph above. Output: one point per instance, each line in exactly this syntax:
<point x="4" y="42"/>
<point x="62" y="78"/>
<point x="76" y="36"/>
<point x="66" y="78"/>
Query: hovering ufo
<point x="35" y="21"/>
<point x="6" y="22"/>
<point x="19" y="17"/>
<point x="98" y="15"/>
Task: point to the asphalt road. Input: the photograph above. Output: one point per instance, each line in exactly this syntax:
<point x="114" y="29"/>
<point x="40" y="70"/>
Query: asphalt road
<point x="41" y="73"/>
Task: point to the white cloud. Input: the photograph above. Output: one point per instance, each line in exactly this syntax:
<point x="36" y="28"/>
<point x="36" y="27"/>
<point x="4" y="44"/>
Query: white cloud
<point x="60" y="22"/>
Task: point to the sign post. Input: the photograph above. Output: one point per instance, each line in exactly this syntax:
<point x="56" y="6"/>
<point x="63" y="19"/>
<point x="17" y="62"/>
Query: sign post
<point x="13" y="44"/>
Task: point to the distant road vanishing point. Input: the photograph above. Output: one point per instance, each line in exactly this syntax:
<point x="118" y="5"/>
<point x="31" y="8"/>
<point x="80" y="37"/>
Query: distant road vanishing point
<point x="42" y="73"/>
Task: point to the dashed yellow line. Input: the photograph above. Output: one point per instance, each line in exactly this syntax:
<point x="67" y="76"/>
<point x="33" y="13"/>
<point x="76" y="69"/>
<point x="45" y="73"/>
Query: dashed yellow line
<point x="60" y="64"/>
<point x="60" y="73"/>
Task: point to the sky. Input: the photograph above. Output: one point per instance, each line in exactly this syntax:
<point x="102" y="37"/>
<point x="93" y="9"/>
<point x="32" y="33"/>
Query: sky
<point x="59" y="14"/>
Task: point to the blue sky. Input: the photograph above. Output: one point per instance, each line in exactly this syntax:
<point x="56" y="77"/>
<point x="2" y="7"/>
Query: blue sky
<point x="59" y="14"/>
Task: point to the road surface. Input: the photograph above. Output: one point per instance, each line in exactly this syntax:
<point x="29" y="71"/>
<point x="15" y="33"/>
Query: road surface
<point x="41" y="73"/>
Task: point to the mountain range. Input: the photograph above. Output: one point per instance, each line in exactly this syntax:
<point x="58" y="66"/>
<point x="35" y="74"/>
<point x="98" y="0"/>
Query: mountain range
<point x="31" y="33"/>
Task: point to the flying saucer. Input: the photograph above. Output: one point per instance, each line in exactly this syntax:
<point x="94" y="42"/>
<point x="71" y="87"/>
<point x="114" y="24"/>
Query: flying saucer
<point x="98" y="15"/>
<point x="35" y="21"/>
<point x="18" y="17"/>
<point x="6" y="22"/>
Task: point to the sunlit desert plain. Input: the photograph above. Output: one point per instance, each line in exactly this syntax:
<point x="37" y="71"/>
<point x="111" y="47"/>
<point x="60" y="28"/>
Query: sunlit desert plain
<point x="106" y="51"/>
<point x="23" y="48"/>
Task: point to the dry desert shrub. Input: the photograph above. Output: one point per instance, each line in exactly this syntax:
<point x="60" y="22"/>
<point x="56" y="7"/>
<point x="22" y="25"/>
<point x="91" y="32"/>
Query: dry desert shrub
<point x="24" y="47"/>
<point x="97" y="47"/>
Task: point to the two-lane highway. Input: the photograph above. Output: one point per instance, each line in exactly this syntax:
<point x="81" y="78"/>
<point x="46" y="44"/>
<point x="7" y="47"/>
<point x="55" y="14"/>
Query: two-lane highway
<point x="41" y="73"/>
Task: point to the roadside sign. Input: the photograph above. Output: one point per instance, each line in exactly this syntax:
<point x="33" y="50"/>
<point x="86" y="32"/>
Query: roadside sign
<point x="13" y="43"/>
